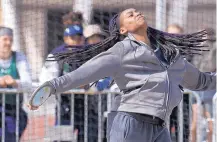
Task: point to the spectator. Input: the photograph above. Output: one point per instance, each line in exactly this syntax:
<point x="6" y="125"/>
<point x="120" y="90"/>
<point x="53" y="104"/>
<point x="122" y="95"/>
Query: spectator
<point x="73" y="38"/>
<point x="175" y="29"/>
<point x="52" y="69"/>
<point x="206" y="63"/>
<point x="73" y="35"/>
<point x="14" y="73"/>
<point x="94" y="34"/>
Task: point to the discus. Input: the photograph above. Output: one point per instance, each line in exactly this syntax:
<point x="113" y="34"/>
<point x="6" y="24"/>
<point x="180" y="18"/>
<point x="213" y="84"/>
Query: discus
<point x="40" y="95"/>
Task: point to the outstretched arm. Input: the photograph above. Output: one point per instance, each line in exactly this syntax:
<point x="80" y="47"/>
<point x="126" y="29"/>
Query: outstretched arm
<point x="103" y="65"/>
<point x="198" y="81"/>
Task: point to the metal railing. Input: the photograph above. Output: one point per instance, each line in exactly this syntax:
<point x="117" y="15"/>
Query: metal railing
<point x="58" y="128"/>
<point x="199" y="117"/>
<point x="214" y="135"/>
<point x="4" y="92"/>
<point x="100" y="116"/>
<point x="51" y="136"/>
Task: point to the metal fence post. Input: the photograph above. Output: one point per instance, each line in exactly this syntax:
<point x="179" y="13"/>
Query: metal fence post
<point x="3" y="117"/>
<point x="72" y="112"/>
<point x="199" y="110"/>
<point x="214" y="134"/>
<point x="59" y="109"/>
<point x="17" y="116"/>
<point x="180" y="121"/>
<point x="85" y="118"/>
<point x="161" y="14"/>
<point x="199" y="134"/>
<point x="109" y="100"/>
<point x="100" y="118"/>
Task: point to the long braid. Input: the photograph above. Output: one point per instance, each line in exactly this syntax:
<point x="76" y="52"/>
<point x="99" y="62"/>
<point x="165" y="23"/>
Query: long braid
<point x="85" y="53"/>
<point x="168" y="43"/>
<point x="187" y="44"/>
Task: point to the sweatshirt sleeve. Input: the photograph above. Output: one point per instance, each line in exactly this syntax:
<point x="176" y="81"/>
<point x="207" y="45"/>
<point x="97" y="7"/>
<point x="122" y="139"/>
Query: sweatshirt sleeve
<point x="198" y="81"/>
<point x="106" y="64"/>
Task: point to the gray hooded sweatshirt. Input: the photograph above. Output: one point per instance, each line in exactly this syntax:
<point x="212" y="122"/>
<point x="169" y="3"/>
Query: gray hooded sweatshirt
<point x="133" y="64"/>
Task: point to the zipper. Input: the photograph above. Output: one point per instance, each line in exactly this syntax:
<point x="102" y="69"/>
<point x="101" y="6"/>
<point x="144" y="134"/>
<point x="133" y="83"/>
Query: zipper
<point x="167" y="95"/>
<point x="166" y="69"/>
<point x="168" y="98"/>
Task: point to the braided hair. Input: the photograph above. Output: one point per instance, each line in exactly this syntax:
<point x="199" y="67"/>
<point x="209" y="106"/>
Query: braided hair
<point x="170" y="44"/>
<point x="85" y="53"/>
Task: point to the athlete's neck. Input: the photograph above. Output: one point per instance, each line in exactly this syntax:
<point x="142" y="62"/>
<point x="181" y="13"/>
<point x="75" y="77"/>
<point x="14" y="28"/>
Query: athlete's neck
<point x="141" y="35"/>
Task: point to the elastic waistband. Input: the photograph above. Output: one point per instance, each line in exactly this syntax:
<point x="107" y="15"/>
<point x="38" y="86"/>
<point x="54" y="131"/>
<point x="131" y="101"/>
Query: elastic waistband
<point x="146" y="118"/>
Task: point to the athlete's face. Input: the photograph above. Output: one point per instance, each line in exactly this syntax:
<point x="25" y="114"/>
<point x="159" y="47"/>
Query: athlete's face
<point x="131" y="20"/>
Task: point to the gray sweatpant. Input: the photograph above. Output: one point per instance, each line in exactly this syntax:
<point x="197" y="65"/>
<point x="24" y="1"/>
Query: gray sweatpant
<point x="127" y="128"/>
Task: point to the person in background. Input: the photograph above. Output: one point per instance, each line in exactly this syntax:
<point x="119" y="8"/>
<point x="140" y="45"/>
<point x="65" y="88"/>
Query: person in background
<point x="206" y="63"/>
<point x="73" y="36"/>
<point x="94" y="34"/>
<point x="51" y="69"/>
<point x="73" y="39"/>
<point x="175" y="29"/>
<point x="14" y="73"/>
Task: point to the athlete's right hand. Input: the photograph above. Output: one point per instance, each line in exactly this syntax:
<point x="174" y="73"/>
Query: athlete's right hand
<point x="32" y="107"/>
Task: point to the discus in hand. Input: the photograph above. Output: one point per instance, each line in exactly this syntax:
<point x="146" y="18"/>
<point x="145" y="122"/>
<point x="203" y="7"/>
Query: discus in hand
<point x="40" y="95"/>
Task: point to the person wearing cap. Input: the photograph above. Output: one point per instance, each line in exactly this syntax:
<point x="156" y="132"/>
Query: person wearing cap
<point x="73" y="35"/>
<point x="73" y="38"/>
<point x="94" y="34"/>
<point x="14" y="73"/>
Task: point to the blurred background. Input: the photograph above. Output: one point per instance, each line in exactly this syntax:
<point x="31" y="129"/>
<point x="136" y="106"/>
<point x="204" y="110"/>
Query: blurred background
<point x="39" y="28"/>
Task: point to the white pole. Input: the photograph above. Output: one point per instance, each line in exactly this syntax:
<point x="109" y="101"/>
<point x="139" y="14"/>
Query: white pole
<point x="84" y="6"/>
<point x="11" y="17"/>
<point x="161" y="14"/>
<point x="178" y="12"/>
<point x="214" y="134"/>
<point x="180" y="121"/>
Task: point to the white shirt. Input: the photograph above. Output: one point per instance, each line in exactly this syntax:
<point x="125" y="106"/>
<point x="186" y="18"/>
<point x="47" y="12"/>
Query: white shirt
<point x="49" y="71"/>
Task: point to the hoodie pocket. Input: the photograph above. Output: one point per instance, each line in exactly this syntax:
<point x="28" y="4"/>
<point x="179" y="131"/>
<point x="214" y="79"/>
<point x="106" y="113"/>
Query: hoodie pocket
<point x="152" y="93"/>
